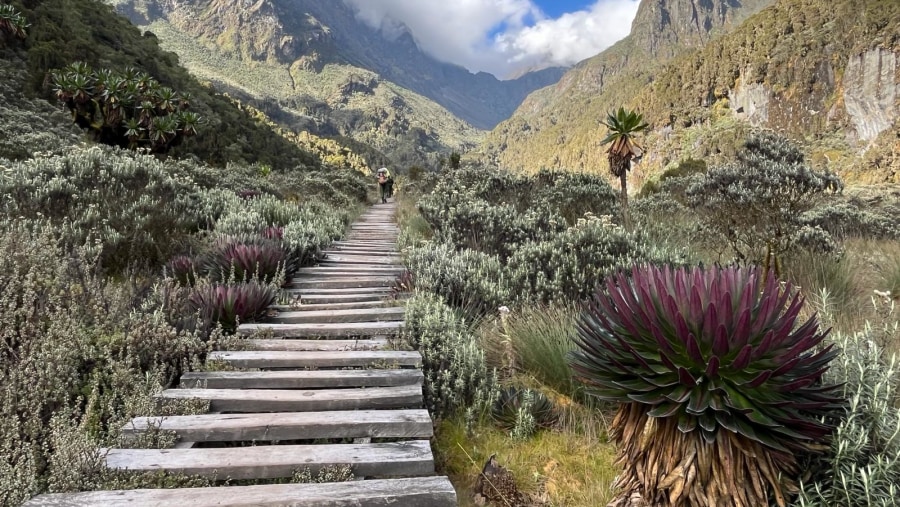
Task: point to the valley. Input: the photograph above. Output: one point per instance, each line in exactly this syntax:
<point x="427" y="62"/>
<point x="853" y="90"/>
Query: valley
<point x="665" y="275"/>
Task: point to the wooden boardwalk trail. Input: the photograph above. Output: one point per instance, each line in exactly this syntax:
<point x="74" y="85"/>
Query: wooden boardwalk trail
<point x="327" y="389"/>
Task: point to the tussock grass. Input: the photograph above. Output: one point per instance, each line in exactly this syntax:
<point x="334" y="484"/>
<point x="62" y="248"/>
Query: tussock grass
<point x="535" y="342"/>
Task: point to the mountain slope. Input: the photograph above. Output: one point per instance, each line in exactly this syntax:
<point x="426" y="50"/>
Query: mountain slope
<point x="558" y="126"/>
<point x="825" y="73"/>
<point x="319" y="68"/>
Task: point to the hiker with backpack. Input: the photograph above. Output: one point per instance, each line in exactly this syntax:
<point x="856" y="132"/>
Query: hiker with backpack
<point x="385" y="184"/>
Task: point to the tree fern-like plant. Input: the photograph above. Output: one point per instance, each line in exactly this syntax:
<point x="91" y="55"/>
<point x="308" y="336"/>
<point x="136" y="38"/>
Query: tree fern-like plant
<point x="719" y="387"/>
<point x="623" y="126"/>
<point x="12" y="22"/>
<point x="126" y="109"/>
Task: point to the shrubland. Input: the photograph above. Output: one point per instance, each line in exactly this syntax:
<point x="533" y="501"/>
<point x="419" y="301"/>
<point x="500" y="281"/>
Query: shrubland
<point x="120" y="271"/>
<point x="525" y="273"/>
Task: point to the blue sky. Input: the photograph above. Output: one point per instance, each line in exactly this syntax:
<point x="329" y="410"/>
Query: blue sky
<point x="556" y="8"/>
<point x="504" y="37"/>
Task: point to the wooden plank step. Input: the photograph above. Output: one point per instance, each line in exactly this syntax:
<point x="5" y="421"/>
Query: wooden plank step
<point x="335" y="316"/>
<point x="383" y="237"/>
<point x="367" y="251"/>
<point x="328" y="306"/>
<point x="352" y="282"/>
<point x="317" y="345"/>
<point x="380" y="291"/>
<point x="278" y="461"/>
<point x="294" y="400"/>
<point x="358" y="259"/>
<point x="406" y="492"/>
<point x="317" y="329"/>
<point x="380" y="270"/>
<point x="360" y="243"/>
<point x="301" y="379"/>
<point x="320" y="299"/>
<point x="317" y="359"/>
<point x="289" y="425"/>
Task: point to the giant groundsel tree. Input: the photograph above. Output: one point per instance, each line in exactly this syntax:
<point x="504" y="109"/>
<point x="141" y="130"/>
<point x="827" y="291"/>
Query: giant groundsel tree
<point x="623" y="126"/>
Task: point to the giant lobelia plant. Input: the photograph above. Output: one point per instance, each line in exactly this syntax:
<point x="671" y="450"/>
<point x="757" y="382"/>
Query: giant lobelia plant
<point x="719" y="387"/>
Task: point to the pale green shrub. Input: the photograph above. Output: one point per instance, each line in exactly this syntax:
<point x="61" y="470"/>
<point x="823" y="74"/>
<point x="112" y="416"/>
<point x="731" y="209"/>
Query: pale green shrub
<point x="246" y="222"/>
<point x="128" y="206"/>
<point x="456" y="376"/>
<point x="569" y="266"/>
<point x="76" y="353"/>
<point x="469" y="280"/>
<point x="861" y="468"/>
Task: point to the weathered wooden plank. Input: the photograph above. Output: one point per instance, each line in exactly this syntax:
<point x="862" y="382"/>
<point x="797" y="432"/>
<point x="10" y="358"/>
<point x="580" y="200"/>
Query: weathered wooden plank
<point x="328" y="306"/>
<point x="289" y="400"/>
<point x="380" y="270"/>
<point x="358" y="259"/>
<point x="368" y="251"/>
<point x="406" y="492"/>
<point x="317" y="329"/>
<point x="301" y="379"/>
<point x="278" y="461"/>
<point x="379" y="291"/>
<point x="289" y="425"/>
<point x="323" y="359"/>
<point x="317" y="345"/>
<point x="352" y="315"/>
<point x="319" y="299"/>
<point x="342" y="283"/>
<point x="363" y="244"/>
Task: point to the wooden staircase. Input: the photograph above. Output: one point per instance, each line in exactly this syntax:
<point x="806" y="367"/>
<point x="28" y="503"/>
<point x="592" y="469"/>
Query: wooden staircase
<point x="313" y="396"/>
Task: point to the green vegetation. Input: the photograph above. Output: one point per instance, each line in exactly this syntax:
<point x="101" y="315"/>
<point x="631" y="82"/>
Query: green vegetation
<point x="665" y="352"/>
<point x="88" y="31"/>
<point x="783" y="68"/>
<point x="706" y="366"/>
<point x="756" y="204"/>
<point x="12" y="23"/>
<point x="623" y="148"/>
<point x="128" y="109"/>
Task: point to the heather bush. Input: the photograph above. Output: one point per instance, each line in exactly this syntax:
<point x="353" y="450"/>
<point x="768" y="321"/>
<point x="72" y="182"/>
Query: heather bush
<point x="572" y="195"/>
<point x="274" y="211"/>
<point x="77" y="353"/>
<point x="845" y="219"/>
<point x="469" y="280"/>
<point x="456" y="376"/>
<point x="861" y="467"/>
<point x="568" y="266"/>
<point x="755" y="205"/>
<point x="128" y="207"/>
<point x="469" y="222"/>
<point x="242" y="222"/>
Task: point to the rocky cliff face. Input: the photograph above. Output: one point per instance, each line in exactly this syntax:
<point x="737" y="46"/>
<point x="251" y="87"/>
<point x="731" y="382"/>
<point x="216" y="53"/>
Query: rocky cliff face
<point x="822" y="72"/>
<point x="554" y="126"/>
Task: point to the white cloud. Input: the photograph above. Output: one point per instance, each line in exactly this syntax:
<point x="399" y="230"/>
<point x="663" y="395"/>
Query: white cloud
<point x="501" y="36"/>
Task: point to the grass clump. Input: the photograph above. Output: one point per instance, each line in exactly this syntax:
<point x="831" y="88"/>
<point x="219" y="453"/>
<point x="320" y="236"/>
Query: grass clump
<point x="554" y="467"/>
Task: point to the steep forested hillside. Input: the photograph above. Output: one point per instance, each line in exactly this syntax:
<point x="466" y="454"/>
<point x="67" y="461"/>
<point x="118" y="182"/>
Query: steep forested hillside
<point x="88" y="30"/>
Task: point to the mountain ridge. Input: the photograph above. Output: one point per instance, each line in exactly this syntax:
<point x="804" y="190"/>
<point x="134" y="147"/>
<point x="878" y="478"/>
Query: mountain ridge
<point x="824" y="73"/>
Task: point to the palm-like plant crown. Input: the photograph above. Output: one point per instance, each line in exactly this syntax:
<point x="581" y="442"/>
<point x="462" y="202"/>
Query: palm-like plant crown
<point x="623" y="125"/>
